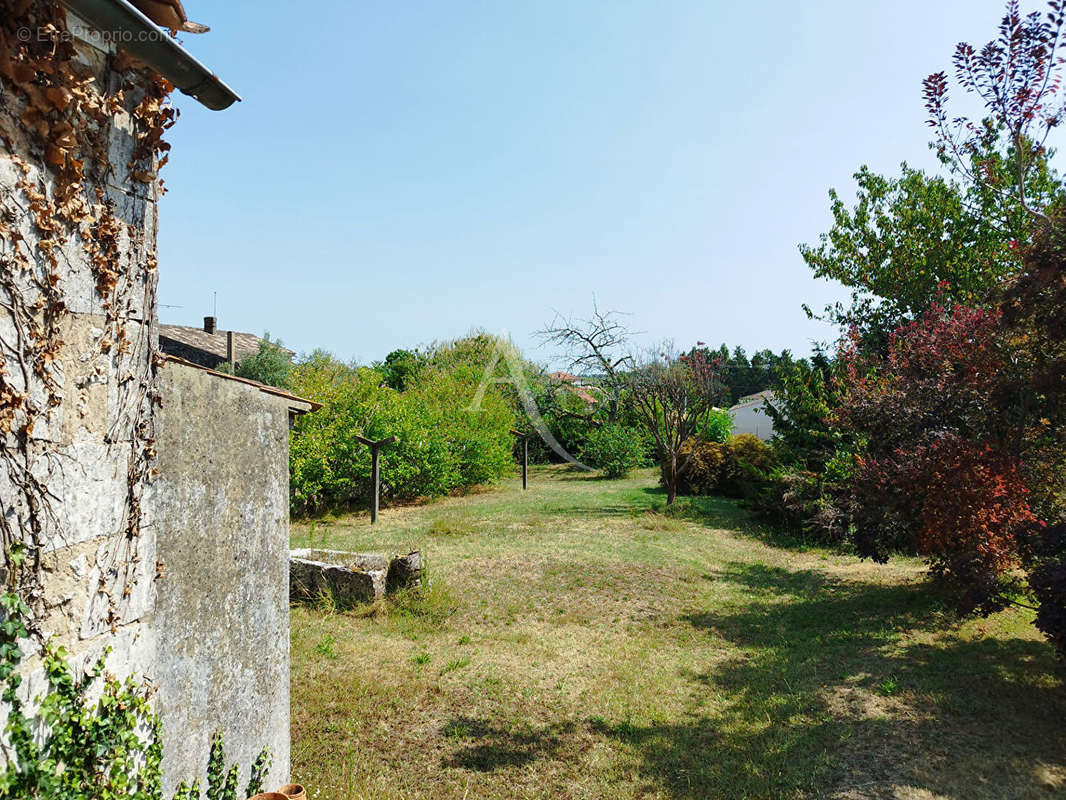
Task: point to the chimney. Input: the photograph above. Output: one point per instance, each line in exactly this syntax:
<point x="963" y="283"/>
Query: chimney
<point x="229" y="350"/>
<point x="210" y="324"/>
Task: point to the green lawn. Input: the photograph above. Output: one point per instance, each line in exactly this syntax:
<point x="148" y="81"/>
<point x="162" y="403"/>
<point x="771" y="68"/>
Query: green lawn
<point x="577" y="642"/>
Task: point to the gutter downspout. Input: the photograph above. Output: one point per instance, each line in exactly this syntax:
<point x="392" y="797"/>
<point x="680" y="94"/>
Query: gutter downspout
<point x="147" y="42"/>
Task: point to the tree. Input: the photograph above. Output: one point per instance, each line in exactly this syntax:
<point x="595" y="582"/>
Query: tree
<point x="595" y="347"/>
<point x="746" y="376"/>
<point x="916" y="240"/>
<point x="1016" y="76"/>
<point x="672" y="396"/>
<point x="805" y="400"/>
<point x="1034" y="312"/>
<point x="947" y="404"/>
<point x="399" y="367"/>
<point x="1034" y="316"/>
<point x="940" y="474"/>
<point x="270" y="365"/>
<point x="444" y="442"/>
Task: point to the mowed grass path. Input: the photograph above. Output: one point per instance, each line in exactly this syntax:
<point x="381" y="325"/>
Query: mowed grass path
<point x="577" y="642"/>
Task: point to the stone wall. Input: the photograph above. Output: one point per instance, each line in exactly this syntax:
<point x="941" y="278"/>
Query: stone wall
<point x="85" y="414"/>
<point x="186" y="579"/>
<point x="219" y="511"/>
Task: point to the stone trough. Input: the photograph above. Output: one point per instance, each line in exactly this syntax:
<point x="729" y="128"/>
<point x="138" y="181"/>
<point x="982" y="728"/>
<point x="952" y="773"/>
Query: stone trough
<point x="349" y="578"/>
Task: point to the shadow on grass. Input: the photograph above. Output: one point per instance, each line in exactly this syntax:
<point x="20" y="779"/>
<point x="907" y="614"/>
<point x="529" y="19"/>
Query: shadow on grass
<point x="837" y="689"/>
<point x="492" y="747"/>
<point x="725" y="513"/>
<point x="833" y="693"/>
<point x="580" y="476"/>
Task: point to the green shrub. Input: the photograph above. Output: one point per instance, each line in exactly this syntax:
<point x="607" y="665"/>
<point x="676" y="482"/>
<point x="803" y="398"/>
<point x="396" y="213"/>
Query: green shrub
<point x="803" y="504"/>
<point x="750" y="460"/>
<point x="737" y="467"/>
<point x="718" y="426"/>
<point x="614" y="449"/>
<point x="702" y="460"/>
<point x="813" y="505"/>
<point x="400" y="367"/>
<point x="443" y="443"/>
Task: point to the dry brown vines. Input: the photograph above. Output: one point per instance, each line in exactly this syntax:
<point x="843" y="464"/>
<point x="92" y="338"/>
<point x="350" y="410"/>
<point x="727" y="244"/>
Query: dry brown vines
<point x="56" y="119"/>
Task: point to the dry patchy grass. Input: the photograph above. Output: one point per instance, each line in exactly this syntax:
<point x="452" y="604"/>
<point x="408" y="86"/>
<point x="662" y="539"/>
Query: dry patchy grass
<point x="577" y="641"/>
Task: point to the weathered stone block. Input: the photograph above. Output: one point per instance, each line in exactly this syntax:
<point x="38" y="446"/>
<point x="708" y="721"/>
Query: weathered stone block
<point x="404" y="571"/>
<point x="311" y="580"/>
<point x="349" y="578"/>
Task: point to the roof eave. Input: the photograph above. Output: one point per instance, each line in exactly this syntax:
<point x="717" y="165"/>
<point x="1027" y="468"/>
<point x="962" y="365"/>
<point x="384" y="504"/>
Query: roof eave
<point x="147" y="42"/>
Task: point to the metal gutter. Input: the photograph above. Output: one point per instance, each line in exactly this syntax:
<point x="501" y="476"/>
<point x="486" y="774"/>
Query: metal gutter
<point x="131" y="30"/>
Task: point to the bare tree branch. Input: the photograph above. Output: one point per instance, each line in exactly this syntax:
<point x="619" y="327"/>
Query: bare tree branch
<point x="596" y="347"/>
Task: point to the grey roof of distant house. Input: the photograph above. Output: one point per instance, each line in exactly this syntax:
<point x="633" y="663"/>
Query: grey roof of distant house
<point x="244" y="344"/>
<point x="758" y="397"/>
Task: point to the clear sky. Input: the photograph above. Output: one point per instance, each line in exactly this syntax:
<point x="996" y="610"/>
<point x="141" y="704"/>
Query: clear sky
<point x="402" y="171"/>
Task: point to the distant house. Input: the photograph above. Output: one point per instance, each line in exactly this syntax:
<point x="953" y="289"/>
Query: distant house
<point x="208" y="346"/>
<point x="749" y="415"/>
<point x="575" y="386"/>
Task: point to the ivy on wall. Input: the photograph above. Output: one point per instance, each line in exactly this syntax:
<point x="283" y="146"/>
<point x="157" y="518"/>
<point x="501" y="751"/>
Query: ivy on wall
<point x="93" y="737"/>
<point x="56" y="124"/>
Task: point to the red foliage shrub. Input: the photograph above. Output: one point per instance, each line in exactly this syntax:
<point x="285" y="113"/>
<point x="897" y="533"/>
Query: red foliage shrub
<point x="943" y="374"/>
<point x="975" y="501"/>
<point x="940" y="476"/>
<point x="958" y="503"/>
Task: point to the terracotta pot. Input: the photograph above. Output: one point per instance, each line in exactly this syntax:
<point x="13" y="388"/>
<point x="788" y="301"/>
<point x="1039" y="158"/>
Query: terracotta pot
<point x="269" y="796"/>
<point x="293" y="791"/>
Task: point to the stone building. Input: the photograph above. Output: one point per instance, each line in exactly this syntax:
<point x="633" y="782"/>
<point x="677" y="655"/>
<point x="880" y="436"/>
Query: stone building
<point x="219" y="512"/>
<point x="150" y="495"/>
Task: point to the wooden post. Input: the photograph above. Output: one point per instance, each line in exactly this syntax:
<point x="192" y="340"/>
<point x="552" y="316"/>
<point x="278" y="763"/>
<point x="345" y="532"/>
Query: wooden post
<point x="375" y="479"/>
<point x="525" y="456"/>
<point x="375" y="472"/>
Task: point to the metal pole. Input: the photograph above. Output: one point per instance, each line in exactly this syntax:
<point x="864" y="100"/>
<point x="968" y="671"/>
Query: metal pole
<point x="375" y="478"/>
<point x="375" y="471"/>
<point x="525" y="462"/>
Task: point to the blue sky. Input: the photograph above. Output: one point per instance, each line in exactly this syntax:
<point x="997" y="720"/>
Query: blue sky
<point x="400" y="172"/>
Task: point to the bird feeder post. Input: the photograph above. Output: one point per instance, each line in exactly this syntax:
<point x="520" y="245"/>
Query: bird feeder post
<point x="375" y="479"/>
<point x="375" y="471"/>
<point x="525" y="456"/>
